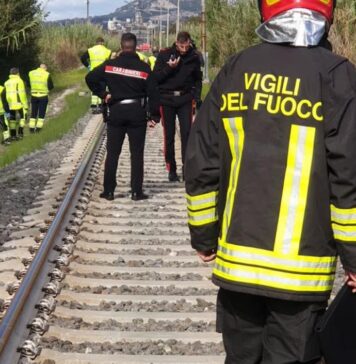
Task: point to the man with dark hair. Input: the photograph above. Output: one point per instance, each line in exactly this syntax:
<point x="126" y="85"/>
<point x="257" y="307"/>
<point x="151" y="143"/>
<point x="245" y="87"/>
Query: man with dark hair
<point x="91" y="59"/>
<point x="180" y="81"/>
<point x="129" y="82"/>
<point x="271" y="185"/>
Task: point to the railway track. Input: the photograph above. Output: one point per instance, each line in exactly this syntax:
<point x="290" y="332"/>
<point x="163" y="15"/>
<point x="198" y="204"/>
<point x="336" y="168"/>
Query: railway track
<point x="126" y="285"/>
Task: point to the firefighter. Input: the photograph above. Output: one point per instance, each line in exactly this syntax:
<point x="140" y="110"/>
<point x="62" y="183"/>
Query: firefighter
<point x="180" y="81"/>
<point x="4" y="113"/>
<point x="18" y="105"/>
<point x="40" y="83"/>
<point x="129" y="82"/>
<point x="91" y="59"/>
<point x="271" y="184"/>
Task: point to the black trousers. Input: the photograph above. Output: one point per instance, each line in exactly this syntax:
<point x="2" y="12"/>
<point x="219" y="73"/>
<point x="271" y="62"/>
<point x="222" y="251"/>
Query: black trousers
<point x="115" y="139"/>
<point x="261" y="330"/>
<point x="3" y="126"/>
<point x="38" y="107"/>
<point x="168" y="115"/>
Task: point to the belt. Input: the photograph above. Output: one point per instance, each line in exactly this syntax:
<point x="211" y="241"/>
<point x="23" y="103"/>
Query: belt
<point x="131" y="101"/>
<point x="173" y="93"/>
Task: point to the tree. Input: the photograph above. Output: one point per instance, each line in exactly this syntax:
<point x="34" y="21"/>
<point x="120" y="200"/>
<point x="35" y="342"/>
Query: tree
<point x="19" y="32"/>
<point x="231" y="28"/>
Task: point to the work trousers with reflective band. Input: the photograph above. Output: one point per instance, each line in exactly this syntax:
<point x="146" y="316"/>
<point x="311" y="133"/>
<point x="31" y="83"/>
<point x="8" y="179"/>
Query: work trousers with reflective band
<point x="168" y="115"/>
<point x="115" y="139"/>
<point x="4" y="127"/>
<point x="261" y="330"/>
<point x="17" y="116"/>
<point x="38" y="111"/>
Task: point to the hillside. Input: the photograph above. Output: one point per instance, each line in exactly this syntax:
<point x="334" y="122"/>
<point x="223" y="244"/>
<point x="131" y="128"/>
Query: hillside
<point x="150" y="9"/>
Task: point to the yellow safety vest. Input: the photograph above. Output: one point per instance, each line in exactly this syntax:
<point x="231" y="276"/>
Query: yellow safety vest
<point x="98" y="54"/>
<point x="16" y="93"/>
<point x="142" y="56"/>
<point x="2" y="110"/>
<point x="39" y="82"/>
<point x="152" y="61"/>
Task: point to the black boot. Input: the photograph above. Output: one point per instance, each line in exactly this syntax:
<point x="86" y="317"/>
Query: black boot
<point x="137" y="196"/>
<point x="13" y="134"/>
<point x="20" y="132"/>
<point x="107" y="195"/>
<point x="173" y="177"/>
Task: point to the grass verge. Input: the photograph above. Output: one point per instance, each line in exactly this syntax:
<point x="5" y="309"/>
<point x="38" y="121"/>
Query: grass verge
<point x="75" y="107"/>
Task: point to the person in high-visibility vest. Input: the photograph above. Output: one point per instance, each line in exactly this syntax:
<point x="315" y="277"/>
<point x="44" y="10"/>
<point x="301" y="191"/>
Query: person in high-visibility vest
<point x="142" y="56"/>
<point x="271" y="185"/>
<point x="40" y="83"/>
<point x="153" y="57"/>
<point x="91" y="59"/>
<point x="4" y="111"/>
<point x="18" y="105"/>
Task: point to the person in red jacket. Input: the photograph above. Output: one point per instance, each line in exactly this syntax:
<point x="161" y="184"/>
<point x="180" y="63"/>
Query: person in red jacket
<point x="271" y="184"/>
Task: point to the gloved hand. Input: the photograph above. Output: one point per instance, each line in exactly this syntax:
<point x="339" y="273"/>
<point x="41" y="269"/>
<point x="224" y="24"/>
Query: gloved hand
<point x="7" y="115"/>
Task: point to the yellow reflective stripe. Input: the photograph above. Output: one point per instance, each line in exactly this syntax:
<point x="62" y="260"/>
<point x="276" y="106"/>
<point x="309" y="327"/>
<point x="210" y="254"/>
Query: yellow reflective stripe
<point x="202" y="217"/>
<point x="203" y="201"/>
<point x="273" y="278"/>
<point x="295" y="190"/>
<point x="343" y="216"/>
<point x="346" y="233"/>
<point x="236" y="138"/>
<point x="267" y="258"/>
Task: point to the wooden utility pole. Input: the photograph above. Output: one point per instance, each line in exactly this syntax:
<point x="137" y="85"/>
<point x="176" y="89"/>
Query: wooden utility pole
<point x="203" y="41"/>
<point x="167" y="40"/>
<point x="178" y="18"/>
<point x="160" y="25"/>
<point x="87" y="11"/>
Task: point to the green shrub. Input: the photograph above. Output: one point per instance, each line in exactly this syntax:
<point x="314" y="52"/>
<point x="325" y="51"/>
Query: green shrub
<point x="62" y="46"/>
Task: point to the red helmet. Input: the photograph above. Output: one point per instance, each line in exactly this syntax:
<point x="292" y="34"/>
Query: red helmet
<point x="270" y="8"/>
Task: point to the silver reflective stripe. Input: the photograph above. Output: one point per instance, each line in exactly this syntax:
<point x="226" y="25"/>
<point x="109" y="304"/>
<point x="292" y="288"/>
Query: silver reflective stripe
<point x="197" y="203"/>
<point x="294" y="193"/>
<point x="343" y="218"/>
<point x="276" y="280"/>
<point x="340" y="234"/>
<point x="233" y="171"/>
<point x="209" y="215"/>
<point x="271" y="261"/>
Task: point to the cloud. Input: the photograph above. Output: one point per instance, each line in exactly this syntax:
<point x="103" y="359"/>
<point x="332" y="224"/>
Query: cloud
<point x="67" y="9"/>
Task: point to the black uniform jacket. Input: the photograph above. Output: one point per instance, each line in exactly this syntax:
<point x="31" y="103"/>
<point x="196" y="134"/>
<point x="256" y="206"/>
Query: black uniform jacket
<point x="125" y="77"/>
<point x="186" y="77"/>
<point x="271" y="172"/>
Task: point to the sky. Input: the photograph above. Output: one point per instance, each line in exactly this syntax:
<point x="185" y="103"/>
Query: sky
<point x="67" y="9"/>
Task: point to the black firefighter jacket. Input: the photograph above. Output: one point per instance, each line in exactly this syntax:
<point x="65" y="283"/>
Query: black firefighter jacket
<point x="271" y="172"/>
<point x="125" y="77"/>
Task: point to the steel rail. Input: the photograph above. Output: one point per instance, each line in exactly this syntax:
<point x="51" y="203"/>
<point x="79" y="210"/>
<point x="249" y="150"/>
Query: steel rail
<point x="13" y="325"/>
